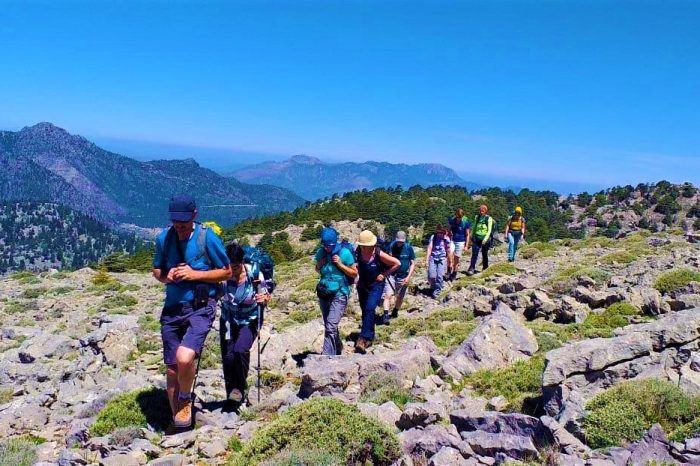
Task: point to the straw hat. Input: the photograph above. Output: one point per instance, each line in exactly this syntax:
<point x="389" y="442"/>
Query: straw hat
<point x="367" y="238"/>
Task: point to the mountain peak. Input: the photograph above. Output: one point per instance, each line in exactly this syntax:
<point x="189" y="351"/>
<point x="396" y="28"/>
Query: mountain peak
<point x="305" y="159"/>
<point x="46" y="128"/>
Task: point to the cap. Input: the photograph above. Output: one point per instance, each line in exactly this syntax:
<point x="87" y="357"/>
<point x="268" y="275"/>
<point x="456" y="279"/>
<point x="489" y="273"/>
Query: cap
<point x="181" y="208"/>
<point x="329" y="237"/>
<point x="400" y="236"/>
<point x="518" y="210"/>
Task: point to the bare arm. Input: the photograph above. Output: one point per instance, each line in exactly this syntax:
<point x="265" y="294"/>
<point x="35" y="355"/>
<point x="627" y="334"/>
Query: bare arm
<point x="410" y="270"/>
<point x="523" y="229"/>
<point x="187" y="273"/>
<point x="349" y="270"/>
<point x="428" y="253"/>
<point x="391" y="261"/>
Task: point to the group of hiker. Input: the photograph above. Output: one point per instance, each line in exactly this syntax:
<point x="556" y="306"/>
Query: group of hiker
<point x="200" y="272"/>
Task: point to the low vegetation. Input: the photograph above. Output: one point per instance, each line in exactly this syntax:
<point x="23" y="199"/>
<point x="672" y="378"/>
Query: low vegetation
<point x="538" y="249"/>
<point x="137" y="408"/>
<point x="565" y="279"/>
<point x="446" y="327"/>
<point x="385" y="386"/>
<point x="623" y="413"/>
<point x="18" y="451"/>
<point x="335" y="430"/>
<point x="676" y="279"/>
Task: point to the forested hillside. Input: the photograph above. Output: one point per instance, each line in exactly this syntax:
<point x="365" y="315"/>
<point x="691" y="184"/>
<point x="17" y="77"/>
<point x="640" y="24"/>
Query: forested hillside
<point x="38" y="236"/>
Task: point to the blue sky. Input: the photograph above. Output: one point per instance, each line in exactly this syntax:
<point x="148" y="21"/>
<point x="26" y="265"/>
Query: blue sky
<point x="588" y="92"/>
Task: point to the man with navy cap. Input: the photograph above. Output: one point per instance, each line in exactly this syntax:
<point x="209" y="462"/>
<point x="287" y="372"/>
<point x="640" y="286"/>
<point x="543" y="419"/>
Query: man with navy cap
<point x="191" y="260"/>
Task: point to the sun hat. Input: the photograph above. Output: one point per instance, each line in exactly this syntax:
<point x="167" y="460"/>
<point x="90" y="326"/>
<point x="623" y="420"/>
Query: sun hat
<point x="181" y="208"/>
<point x="400" y="236"/>
<point x="367" y="238"/>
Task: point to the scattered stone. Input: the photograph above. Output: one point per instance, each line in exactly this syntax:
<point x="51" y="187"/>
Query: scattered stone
<point x="447" y="456"/>
<point x="170" y="460"/>
<point x="421" y="415"/>
<point x="513" y="446"/>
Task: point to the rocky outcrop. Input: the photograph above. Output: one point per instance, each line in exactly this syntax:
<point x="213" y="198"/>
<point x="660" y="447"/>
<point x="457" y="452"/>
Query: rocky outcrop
<point x="662" y="348"/>
<point x="331" y="374"/>
<point x="498" y="341"/>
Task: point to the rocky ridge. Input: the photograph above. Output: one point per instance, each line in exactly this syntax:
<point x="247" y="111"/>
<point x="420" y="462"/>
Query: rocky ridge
<point x="71" y="342"/>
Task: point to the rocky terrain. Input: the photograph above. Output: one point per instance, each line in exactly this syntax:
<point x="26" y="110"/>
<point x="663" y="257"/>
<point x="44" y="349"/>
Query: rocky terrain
<point x="582" y="352"/>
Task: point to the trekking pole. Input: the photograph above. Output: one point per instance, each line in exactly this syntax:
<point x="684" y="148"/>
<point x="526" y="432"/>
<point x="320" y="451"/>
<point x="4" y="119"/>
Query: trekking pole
<point x="260" y="307"/>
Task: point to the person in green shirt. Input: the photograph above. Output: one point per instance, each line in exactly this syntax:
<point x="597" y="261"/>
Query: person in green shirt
<point x="482" y="237"/>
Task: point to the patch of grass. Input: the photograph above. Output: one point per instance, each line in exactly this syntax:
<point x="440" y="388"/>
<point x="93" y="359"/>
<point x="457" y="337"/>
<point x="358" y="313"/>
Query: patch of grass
<point x="33" y="293"/>
<point x="61" y="290"/>
<point x="447" y="328"/>
<point x="25" y="277"/>
<point x="269" y="381"/>
<point x="149" y="323"/>
<point x="675" y="245"/>
<point x="619" y="257"/>
<point x="332" y="427"/>
<point x="119" y="300"/>
<point x="211" y="353"/>
<point x="18" y="451"/>
<point x="303" y="457"/>
<point x="5" y="395"/>
<point x="129" y="287"/>
<point x="13" y="307"/>
<point x="538" y="249"/>
<point x="503" y="268"/>
<point x="149" y="343"/>
<point x="102" y="278"/>
<point x="298" y="317"/>
<point x="59" y="276"/>
<point x="593" y="242"/>
<point x="138" y="408"/>
<point x="520" y="383"/>
<point x="565" y="279"/>
<point x="623" y="413"/>
<point x="385" y="386"/>
<point x="676" y="279"/>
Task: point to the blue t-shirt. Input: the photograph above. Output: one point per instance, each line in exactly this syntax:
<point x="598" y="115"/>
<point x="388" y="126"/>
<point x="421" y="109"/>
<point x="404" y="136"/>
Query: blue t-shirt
<point x="183" y="292"/>
<point x="405" y="254"/>
<point x="330" y="272"/>
<point x="459" y="229"/>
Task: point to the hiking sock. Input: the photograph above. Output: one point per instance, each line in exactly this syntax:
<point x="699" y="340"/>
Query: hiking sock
<point x="394" y="313"/>
<point x="184" y="396"/>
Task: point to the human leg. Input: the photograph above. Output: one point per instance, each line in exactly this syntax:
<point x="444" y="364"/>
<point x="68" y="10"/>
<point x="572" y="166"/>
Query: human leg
<point x="511" y="247"/>
<point x="485" y="255"/>
<point x="441" y="267"/>
<point x="369" y="308"/>
<point x="476" y="247"/>
<point x="517" y="236"/>
<point x="333" y="310"/>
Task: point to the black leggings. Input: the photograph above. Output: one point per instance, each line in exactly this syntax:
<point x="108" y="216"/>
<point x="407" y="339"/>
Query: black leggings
<point x="478" y="245"/>
<point x="235" y="353"/>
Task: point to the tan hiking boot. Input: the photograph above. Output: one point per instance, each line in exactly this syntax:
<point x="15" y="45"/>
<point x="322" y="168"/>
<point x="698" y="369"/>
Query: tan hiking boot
<point x="361" y="345"/>
<point x="183" y="417"/>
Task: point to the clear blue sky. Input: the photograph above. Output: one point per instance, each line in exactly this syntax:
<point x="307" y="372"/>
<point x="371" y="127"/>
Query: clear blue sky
<point x="601" y="92"/>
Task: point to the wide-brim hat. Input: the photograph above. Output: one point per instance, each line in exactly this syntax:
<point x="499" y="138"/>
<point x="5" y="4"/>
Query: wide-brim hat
<point x="367" y="238"/>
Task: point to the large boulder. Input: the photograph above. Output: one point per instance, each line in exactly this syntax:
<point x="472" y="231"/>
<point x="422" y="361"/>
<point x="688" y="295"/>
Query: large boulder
<point x="498" y="341"/>
<point x="349" y="374"/>
<point x="659" y="349"/>
<point x="279" y="350"/>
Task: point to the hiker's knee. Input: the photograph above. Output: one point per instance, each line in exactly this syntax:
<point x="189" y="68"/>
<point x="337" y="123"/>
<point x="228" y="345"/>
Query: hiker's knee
<point x="185" y="356"/>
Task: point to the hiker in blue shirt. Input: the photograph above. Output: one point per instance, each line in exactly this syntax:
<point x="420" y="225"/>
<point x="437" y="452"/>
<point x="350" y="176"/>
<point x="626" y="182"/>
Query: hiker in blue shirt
<point x="397" y="283"/>
<point x="191" y="260"/>
<point x="336" y="264"/>
<point x="461" y="229"/>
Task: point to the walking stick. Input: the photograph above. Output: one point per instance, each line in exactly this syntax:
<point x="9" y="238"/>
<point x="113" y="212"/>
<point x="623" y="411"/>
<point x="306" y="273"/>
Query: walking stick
<point x="260" y="312"/>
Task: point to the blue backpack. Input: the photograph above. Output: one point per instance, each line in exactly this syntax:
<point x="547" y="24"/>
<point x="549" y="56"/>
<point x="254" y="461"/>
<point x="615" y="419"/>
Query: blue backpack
<point x="260" y="262"/>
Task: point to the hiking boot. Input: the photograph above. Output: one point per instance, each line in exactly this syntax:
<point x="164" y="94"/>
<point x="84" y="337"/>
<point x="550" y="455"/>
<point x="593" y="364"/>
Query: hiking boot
<point x="236" y="396"/>
<point x="471" y="272"/>
<point x="385" y="319"/>
<point x="394" y="313"/>
<point x="361" y="345"/>
<point x="183" y="416"/>
<point x="453" y="277"/>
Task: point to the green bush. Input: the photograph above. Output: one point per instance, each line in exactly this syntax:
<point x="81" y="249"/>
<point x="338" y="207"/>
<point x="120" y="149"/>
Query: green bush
<point x="138" y="408"/>
<point x="676" y="279"/>
<point x="385" y="386"/>
<point x="623" y="413"/>
<point x="619" y="257"/>
<point x="102" y="278"/>
<point x="565" y="279"/>
<point x="119" y="300"/>
<point x="603" y="324"/>
<point x="538" y="249"/>
<point x="33" y="293"/>
<point x="447" y="328"/>
<point x="520" y="383"/>
<point x="18" y="451"/>
<point x="303" y="457"/>
<point x="269" y="381"/>
<point x="5" y="395"/>
<point x="331" y="427"/>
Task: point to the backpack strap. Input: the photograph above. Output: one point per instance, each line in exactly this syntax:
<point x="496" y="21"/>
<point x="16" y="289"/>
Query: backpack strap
<point x="171" y="237"/>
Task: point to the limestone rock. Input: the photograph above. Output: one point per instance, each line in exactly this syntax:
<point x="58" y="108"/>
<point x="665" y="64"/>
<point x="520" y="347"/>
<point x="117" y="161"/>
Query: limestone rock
<point x="498" y="341"/>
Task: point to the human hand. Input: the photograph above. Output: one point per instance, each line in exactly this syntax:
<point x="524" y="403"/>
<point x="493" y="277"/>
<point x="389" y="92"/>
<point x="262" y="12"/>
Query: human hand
<point x="170" y="278"/>
<point x="185" y="272"/>
<point x="262" y="298"/>
<point x="380" y="277"/>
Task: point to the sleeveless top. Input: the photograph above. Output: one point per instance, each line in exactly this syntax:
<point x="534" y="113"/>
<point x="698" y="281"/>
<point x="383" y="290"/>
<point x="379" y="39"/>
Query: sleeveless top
<point x="369" y="271"/>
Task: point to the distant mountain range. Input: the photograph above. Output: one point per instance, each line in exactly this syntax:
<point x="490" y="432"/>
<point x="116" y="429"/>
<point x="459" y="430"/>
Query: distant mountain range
<point x="314" y="179"/>
<point x="46" y="163"/>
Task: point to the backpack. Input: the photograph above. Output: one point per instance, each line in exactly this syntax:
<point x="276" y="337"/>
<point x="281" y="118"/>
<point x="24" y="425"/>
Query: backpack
<point x="171" y="237"/>
<point x="260" y="262"/>
<point x="384" y="244"/>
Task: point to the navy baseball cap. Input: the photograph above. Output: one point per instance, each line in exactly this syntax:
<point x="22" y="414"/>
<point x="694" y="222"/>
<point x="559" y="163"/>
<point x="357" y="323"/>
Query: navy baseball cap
<point x="181" y="208"/>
